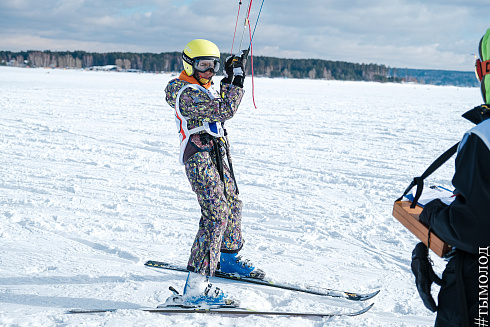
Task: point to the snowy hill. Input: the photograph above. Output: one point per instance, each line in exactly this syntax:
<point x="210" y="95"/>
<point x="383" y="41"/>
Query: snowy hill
<point x="91" y="188"/>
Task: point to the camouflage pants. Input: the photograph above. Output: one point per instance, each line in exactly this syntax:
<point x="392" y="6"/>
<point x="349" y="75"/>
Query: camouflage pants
<point x="221" y="213"/>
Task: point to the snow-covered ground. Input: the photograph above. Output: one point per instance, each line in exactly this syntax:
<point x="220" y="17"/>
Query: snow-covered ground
<point x="91" y="188"/>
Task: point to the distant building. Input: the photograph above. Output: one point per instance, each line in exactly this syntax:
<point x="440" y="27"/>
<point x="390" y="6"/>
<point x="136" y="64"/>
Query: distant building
<point x="104" y="68"/>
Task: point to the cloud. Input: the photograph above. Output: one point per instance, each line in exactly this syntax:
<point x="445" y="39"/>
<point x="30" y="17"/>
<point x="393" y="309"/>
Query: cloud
<point x="40" y="43"/>
<point x="399" y="33"/>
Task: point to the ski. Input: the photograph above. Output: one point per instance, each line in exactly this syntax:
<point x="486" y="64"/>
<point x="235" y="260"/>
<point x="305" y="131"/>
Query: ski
<point x="232" y="311"/>
<point x="353" y="296"/>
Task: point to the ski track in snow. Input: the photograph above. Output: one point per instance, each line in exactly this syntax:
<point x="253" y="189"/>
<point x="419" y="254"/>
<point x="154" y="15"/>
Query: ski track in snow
<point x="91" y="188"/>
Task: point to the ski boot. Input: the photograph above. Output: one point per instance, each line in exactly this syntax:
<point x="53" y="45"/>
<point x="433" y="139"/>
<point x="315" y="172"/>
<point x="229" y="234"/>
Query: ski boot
<point x="199" y="293"/>
<point x="231" y="263"/>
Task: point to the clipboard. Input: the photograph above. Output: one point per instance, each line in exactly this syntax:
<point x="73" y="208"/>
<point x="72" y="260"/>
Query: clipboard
<point x="410" y="219"/>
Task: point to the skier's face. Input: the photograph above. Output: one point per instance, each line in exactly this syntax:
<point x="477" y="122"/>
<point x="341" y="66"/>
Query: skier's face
<point x="206" y="75"/>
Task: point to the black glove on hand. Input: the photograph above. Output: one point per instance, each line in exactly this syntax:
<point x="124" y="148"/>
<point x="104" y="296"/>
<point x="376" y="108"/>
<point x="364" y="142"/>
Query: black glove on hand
<point x="228" y="70"/>
<point x="424" y="275"/>
<point x="429" y="209"/>
<point x="239" y="68"/>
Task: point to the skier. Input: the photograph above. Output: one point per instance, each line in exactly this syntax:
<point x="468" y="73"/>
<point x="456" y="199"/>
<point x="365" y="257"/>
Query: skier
<point x="200" y="116"/>
<point x="465" y="223"/>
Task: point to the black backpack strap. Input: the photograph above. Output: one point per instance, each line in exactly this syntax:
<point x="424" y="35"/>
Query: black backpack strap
<point x="230" y="163"/>
<point x="419" y="181"/>
<point x="219" y="160"/>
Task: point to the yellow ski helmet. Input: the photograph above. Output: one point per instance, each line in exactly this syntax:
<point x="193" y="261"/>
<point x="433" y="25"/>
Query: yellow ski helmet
<point x="199" y="49"/>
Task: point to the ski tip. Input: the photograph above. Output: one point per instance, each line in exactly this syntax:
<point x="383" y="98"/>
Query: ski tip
<point x="361" y="297"/>
<point x="352" y="296"/>
<point x="370" y="295"/>
<point x="360" y="312"/>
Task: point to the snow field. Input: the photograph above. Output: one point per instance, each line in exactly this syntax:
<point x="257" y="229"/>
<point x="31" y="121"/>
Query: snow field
<point x="91" y="188"/>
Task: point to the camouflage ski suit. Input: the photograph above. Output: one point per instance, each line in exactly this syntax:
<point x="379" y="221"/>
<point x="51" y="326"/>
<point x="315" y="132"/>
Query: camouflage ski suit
<point x="221" y="210"/>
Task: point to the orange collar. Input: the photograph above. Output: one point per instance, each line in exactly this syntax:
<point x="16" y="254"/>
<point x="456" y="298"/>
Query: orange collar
<point x="183" y="76"/>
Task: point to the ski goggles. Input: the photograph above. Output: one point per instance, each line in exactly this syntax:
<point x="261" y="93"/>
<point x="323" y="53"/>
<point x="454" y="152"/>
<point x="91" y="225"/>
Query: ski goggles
<point x="204" y="64"/>
<point x="482" y="68"/>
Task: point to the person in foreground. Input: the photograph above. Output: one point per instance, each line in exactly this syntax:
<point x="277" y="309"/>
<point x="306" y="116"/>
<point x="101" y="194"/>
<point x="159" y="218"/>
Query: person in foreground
<point x="200" y="113"/>
<point x="465" y="223"/>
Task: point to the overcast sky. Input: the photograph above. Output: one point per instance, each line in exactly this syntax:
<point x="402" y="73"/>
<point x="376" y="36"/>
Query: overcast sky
<point x="428" y="34"/>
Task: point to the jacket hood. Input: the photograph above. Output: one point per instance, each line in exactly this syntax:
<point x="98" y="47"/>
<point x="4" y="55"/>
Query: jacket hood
<point x="478" y="114"/>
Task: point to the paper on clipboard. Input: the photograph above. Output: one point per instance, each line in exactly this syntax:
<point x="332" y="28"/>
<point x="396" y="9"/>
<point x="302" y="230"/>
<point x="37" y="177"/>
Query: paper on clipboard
<point x="432" y="193"/>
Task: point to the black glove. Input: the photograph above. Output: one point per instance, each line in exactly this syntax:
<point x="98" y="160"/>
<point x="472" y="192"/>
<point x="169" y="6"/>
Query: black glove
<point x="424" y="275"/>
<point x="429" y="209"/>
<point x="239" y="68"/>
<point x="228" y="70"/>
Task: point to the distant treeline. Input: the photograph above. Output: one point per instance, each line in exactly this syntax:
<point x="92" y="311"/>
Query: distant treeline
<point x="436" y="77"/>
<point x="263" y="66"/>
